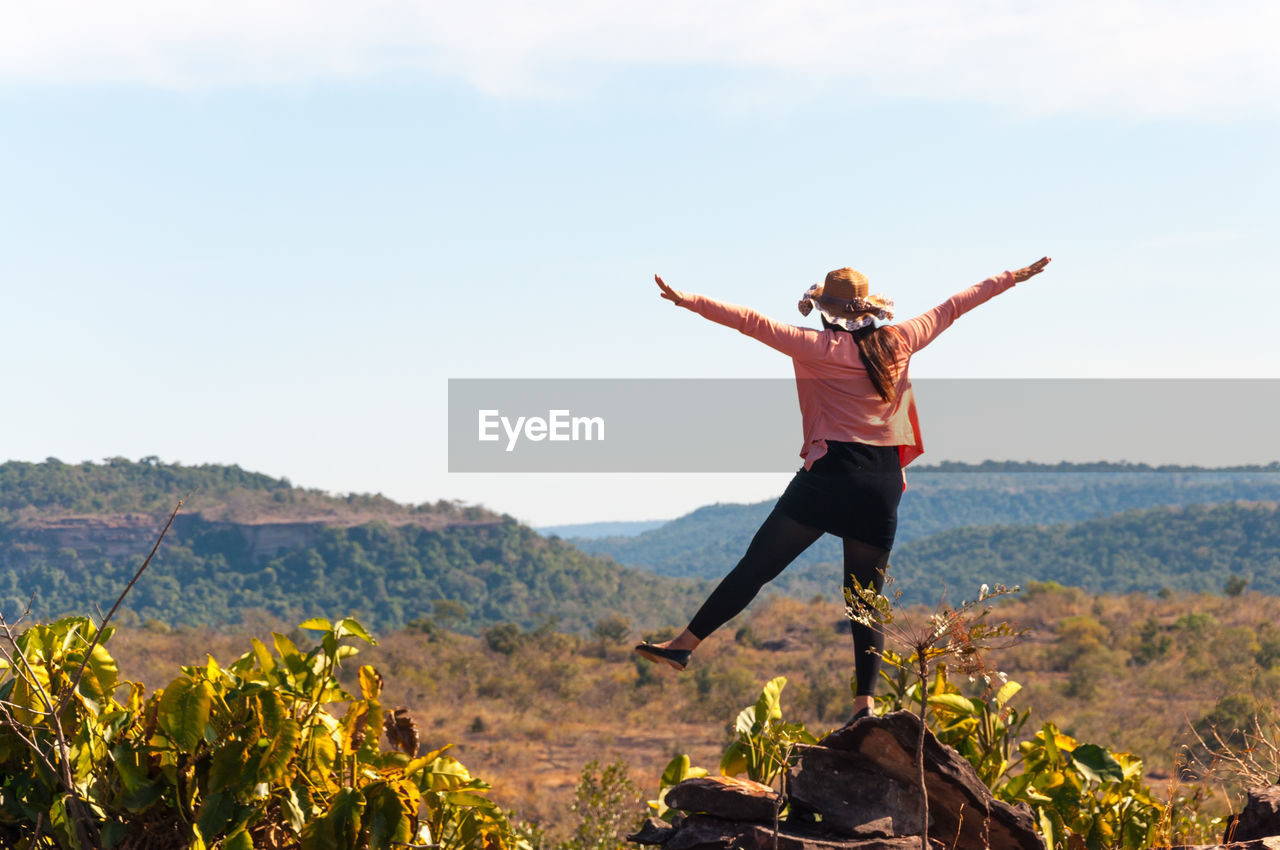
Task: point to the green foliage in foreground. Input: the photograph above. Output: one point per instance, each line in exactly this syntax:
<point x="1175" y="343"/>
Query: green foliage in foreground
<point x="1082" y="795"/>
<point x="762" y="744"/>
<point x="234" y="757"/>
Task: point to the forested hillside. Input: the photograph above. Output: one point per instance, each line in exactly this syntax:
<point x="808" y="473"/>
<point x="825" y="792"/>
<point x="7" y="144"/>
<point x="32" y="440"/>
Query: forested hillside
<point x="1195" y="548"/>
<point x="249" y="542"/>
<point x="72" y="535"/>
<point x="708" y="542"/>
<point x="50" y="489"/>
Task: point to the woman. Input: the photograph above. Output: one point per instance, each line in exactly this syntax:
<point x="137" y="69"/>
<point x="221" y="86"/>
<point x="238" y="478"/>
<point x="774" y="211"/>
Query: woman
<point x="860" y="430"/>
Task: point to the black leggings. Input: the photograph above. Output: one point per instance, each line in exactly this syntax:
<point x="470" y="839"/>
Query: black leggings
<point x="778" y="542"/>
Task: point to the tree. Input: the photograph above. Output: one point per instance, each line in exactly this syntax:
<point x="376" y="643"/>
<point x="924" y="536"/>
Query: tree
<point x="1234" y="585"/>
<point x="612" y="629"/>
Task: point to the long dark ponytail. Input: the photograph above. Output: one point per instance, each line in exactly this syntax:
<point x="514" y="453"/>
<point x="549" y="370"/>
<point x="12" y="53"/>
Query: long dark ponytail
<point x="878" y="349"/>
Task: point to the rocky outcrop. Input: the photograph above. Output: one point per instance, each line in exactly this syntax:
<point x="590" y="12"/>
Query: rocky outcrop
<point x="856" y="790"/>
<point x="704" y="832"/>
<point x="853" y="797"/>
<point x="726" y="797"/>
<point x="1259" y="818"/>
<point x="962" y="810"/>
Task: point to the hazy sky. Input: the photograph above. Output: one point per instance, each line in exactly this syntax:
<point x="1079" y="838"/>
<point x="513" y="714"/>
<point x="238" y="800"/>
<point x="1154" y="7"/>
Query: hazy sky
<point x="268" y="233"/>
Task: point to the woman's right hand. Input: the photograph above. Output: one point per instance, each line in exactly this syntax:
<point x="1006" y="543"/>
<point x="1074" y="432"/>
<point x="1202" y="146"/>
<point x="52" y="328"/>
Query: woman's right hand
<point x="1031" y="271"/>
<point x="667" y="292"/>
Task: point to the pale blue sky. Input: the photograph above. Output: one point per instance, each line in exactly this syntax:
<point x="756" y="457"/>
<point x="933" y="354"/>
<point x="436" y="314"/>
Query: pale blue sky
<point x="268" y="234"/>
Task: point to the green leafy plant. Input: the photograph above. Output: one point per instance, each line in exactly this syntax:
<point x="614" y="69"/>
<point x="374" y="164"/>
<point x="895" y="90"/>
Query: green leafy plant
<point x="763" y="743"/>
<point x="243" y="756"/>
<point x="984" y="729"/>
<point x="1084" y="795"/>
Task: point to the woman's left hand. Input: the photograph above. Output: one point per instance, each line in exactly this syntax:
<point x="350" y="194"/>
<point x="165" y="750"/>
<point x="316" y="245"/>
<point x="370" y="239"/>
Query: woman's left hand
<point x="667" y="292"/>
<point x="1031" y="271"/>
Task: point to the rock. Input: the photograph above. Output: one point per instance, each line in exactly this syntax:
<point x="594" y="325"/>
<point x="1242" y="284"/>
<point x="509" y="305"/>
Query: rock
<point x="726" y="797"/>
<point x="703" y="832"/>
<point x="963" y="812"/>
<point x="1259" y="818"/>
<point x="853" y="796"/>
<point x="762" y="838"/>
<point x="652" y="831"/>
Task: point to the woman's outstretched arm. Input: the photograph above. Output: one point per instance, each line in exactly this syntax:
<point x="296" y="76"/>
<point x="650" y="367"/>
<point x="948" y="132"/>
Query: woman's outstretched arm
<point x="800" y="343"/>
<point x="924" y="329"/>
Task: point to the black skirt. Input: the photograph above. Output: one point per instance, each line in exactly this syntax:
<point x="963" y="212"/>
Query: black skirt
<point x="851" y="491"/>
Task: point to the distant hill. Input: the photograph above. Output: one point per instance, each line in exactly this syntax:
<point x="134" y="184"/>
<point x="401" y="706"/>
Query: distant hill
<point x="72" y="535"/>
<point x="119" y="486"/>
<point x="595" y="530"/>
<point x="707" y="542"/>
<point x="1194" y="548"/>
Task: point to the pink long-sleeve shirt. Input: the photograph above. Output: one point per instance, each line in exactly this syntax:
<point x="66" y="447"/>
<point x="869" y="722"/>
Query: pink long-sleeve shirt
<point x="837" y="399"/>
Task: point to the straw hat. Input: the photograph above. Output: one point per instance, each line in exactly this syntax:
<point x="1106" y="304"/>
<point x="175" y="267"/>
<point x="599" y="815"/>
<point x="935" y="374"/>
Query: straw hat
<point x="842" y="300"/>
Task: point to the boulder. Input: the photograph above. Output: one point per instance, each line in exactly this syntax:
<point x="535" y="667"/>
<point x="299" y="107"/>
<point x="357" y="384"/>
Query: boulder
<point x="962" y="810"/>
<point x="762" y="838"/>
<point x="1259" y="818"/>
<point x="652" y="831"/>
<point x="857" y="790"/>
<point x="703" y="832"/>
<point x="726" y="797"/>
<point x="854" y="797"/>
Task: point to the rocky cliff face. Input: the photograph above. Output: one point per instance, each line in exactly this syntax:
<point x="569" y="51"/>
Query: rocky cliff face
<point x="113" y="536"/>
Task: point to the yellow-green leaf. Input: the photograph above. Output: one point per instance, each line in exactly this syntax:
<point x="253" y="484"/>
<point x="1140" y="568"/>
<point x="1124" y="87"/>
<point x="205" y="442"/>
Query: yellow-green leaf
<point x="734" y="761"/>
<point x="370" y="682"/>
<point x="1007" y="692"/>
<point x="184" y="711"/>
<point x="954" y="702"/>
<point x="228" y="765"/>
<point x="386" y="817"/>
<point x="353" y="627"/>
<point x="238" y="840"/>
<point x="769" y="706"/>
<point x="265" y="660"/>
<point x="278" y="755"/>
<point x="320" y="753"/>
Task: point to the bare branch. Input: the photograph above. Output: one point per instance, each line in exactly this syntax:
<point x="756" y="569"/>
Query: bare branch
<point x="20" y="729"/>
<point x="5" y="702"/>
<point x="75" y="680"/>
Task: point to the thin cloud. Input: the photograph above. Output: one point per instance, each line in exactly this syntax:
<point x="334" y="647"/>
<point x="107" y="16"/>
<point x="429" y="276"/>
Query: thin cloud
<point x="1132" y="57"/>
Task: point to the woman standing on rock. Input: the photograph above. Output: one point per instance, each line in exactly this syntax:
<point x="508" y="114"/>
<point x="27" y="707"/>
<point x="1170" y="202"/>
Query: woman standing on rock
<point x="860" y="430"/>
